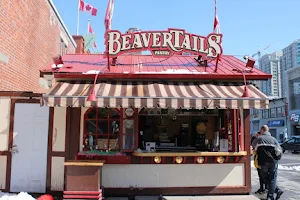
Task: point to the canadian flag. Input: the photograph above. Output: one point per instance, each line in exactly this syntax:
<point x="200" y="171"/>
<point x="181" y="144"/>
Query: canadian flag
<point x="85" y="7"/>
<point x="90" y="30"/>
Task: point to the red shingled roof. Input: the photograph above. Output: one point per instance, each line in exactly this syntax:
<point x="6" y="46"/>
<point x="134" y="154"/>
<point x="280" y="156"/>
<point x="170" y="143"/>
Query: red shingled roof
<point x="147" y="66"/>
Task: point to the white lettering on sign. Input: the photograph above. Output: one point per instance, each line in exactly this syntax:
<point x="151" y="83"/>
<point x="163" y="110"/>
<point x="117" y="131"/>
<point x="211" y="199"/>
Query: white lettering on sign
<point x="295" y="117"/>
<point x="163" y="53"/>
<point x="174" y="41"/>
<point x="276" y="122"/>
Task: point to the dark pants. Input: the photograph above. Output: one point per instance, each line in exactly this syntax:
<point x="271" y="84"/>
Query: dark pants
<point x="269" y="171"/>
<point x="262" y="182"/>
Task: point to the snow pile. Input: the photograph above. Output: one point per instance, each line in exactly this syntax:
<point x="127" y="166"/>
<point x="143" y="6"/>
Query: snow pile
<point x="285" y="168"/>
<point x="20" y="196"/>
<point x="289" y="168"/>
<point x="252" y="163"/>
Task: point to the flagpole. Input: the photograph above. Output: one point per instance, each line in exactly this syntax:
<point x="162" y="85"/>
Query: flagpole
<point x="88" y="29"/>
<point x="77" y="31"/>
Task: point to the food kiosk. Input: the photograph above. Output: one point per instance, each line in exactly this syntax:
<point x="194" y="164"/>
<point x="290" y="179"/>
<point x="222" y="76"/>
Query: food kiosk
<point x="160" y="123"/>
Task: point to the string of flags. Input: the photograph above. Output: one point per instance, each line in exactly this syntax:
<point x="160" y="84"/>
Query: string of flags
<point x="88" y="8"/>
<point x="90" y="30"/>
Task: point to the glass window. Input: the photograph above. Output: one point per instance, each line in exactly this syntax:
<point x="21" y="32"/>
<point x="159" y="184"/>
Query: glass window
<point x="279" y="111"/>
<point x="294" y="89"/>
<point x="101" y="129"/>
<point x="273" y="112"/>
<point x="128" y="134"/>
<point x="291" y="141"/>
<point x="63" y="47"/>
<point x="266" y="113"/>
<point x="255" y="111"/>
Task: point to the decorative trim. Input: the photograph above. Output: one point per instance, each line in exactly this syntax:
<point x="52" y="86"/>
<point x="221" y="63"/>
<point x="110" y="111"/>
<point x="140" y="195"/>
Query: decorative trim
<point x="109" y="192"/>
<point x="247" y="158"/>
<point x="19" y="94"/>
<point x="110" y="76"/>
<point x="191" y="154"/>
<point x="4" y="153"/>
<point x="163" y="160"/>
<point x="49" y="153"/>
<point x="58" y="154"/>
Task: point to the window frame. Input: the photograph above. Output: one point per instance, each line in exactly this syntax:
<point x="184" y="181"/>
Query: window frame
<point x="105" y="135"/>
<point x="63" y="47"/>
<point x="135" y="135"/>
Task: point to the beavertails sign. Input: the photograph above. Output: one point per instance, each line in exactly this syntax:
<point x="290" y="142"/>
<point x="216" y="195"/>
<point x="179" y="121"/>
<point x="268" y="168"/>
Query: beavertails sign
<point x="163" y="43"/>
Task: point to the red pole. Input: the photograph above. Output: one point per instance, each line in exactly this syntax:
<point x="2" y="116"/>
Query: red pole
<point x="217" y="62"/>
<point x="108" y="63"/>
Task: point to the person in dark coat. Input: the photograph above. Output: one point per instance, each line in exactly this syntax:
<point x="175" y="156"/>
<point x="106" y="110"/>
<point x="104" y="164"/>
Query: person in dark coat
<point x="262" y="184"/>
<point x="269" y="152"/>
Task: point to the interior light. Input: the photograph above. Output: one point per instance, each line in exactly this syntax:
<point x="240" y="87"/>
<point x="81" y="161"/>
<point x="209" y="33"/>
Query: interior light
<point x="157" y="159"/>
<point x="178" y="159"/>
<point x="200" y="159"/>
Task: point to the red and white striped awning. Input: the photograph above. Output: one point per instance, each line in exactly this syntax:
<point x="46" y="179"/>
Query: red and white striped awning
<point x="176" y="95"/>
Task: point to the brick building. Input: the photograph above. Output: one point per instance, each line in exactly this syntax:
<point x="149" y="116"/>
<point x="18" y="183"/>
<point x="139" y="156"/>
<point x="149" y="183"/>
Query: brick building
<point x="31" y="33"/>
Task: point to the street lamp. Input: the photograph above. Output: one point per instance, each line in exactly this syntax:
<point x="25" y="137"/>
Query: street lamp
<point x="246" y="93"/>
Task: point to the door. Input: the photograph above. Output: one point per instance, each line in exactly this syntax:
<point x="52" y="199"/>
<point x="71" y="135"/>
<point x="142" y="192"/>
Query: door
<point x="29" y="152"/>
<point x="273" y="133"/>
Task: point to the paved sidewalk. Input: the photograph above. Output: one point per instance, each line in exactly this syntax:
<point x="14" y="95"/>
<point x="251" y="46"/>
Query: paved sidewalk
<point x="235" y="197"/>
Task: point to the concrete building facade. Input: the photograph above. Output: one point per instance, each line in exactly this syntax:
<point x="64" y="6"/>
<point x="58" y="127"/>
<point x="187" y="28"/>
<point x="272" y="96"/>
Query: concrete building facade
<point x="270" y="63"/>
<point x="293" y="82"/>
<point x="284" y="83"/>
<point x="290" y="59"/>
<point x="275" y="117"/>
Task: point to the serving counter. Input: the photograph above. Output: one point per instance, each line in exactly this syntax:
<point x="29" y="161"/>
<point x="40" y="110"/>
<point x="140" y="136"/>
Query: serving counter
<point x="188" y="157"/>
<point x="171" y="154"/>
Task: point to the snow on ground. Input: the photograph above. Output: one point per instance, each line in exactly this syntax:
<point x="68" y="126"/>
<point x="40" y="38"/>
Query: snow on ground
<point x="20" y="196"/>
<point x="285" y="168"/>
<point x="289" y="168"/>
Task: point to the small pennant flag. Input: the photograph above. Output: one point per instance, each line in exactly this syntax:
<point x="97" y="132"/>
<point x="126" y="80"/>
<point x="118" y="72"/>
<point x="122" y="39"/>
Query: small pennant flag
<point x="90" y="30"/>
<point x="85" y="7"/>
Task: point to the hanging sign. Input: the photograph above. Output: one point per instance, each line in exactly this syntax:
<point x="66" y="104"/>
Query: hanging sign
<point x="163" y="43"/>
<point x="295" y="117"/>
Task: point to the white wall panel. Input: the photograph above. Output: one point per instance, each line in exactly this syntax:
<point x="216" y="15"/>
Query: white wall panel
<point x="173" y="175"/>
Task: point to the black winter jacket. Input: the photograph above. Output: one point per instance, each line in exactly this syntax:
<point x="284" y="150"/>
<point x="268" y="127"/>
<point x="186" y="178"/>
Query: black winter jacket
<point x="267" y="149"/>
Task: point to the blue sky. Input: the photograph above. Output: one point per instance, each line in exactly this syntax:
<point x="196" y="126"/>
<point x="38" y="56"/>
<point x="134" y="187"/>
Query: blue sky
<point x="247" y="25"/>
